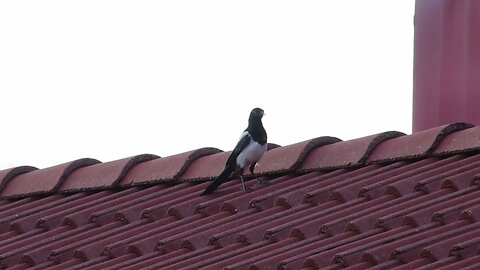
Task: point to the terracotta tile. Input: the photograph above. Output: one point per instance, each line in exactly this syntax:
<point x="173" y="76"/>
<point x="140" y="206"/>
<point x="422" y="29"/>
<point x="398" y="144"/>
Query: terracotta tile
<point x="320" y="192"/>
<point x="346" y="153"/>
<point x="172" y="241"/>
<point x="164" y="169"/>
<point x="102" y="175"/>
<point x="131" y="262"/>
<point x="436" y="264"/>
<point x="380" y="251"/>
<point x="150" y="240"/>
<point x="461" y="141"/>
<point x="205" y="168"/>
<point x="25" y="207"/>
<point x="304" y="222"/>
<point x="225" y="236"/>
<point x="87" y="208"/>
<point x="466" y="248"/>
<point x="97" y="211"/>
<point x="113" y="261"/>
<point x="63" y="235"/>
<point x="408" y="248"/>
<point x="404" y="182"/>
<point x="218" y="255"/>
<point x="434" y="210"/>
<point x="288" y="158"/>
<point x="453" y="210"/>
<point x="471" y="214"/>
<point x="441" y="247"/>
<point x="72" y="235"/>
<point x="294" y="259"/>
<point x="53" y="219"/>
<point x="6" y="175"/>
<point x="373" y="220"/>
<point x="161" y="209"/>
<point x="152" y="262"/>
<point x="12" y="253"/>
<point x="396" y="218"/>
<point x="323" y="255"/>
<point x="350" y="253"/>
<point x="43" y="181"/>
<point x="28" y="219"/>
<point x="352" y="190"/>
<point x="135" y="210"/>
<point x="134" y="232"/>
<point x="65" y="265"/>
<point x="461" y="180"/>
<point x="89" y="248"/>
<point x="413" y="146"/>
<point x="416" y="264"/>
<point x="125" y="235"/>
<point x="238" y="257"/>
<point x="235" y="251"/>
<point x="463" y="263"/>
<point x="274" y="253"/>
<point x="90" y="263"/>
<point x="302" y="185"/>
<point x="455" y="169"/>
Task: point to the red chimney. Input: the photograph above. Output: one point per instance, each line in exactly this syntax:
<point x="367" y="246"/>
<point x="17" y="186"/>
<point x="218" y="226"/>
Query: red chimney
<point x="446" y="63"/>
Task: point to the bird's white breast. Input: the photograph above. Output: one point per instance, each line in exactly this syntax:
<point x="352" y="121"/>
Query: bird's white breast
<point x="251" y="154"/>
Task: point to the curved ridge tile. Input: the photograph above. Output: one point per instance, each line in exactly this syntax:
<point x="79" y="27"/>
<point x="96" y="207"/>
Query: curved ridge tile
<point x="459" y="142"/>
<point x="271" y="146"/>
<point x="6" y="175"/>
<point x="416" y="145"/>
<point x="345" y="153"/>
<point x="43" y="181"/>
<point x="165" y="169"/>
<point x="288" y="158"/>
<point x="103" y="175"/>
<point x="206" y="167"/>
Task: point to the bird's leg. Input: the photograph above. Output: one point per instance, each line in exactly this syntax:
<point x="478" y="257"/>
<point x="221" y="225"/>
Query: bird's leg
<point x="251" y="168"/>
<point x="244" y="187"/>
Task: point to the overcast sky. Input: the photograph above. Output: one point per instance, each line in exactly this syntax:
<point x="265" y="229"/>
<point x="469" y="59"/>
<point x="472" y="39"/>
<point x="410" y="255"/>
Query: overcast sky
<point x="112" y="79"/>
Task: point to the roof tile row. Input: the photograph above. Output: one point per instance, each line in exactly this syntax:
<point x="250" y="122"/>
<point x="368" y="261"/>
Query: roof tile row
<point x="322" y="153"/>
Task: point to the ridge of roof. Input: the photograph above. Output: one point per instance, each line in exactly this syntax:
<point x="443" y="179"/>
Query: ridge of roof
<point x="322" y="153"/>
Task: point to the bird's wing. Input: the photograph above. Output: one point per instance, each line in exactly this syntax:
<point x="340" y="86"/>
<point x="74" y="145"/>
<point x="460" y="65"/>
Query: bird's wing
<point x="231" y="164"/>
<point x="242" y="143"/>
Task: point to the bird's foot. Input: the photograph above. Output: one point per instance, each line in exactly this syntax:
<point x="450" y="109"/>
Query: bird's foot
<point x="260" y="181"/>
<point x="246" y="189"/>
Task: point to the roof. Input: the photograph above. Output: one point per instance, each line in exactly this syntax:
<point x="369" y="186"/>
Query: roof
<point x="388" y="201"/>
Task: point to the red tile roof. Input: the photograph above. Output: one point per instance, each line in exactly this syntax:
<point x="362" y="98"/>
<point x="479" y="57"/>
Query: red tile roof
<point x="388" y="201"/>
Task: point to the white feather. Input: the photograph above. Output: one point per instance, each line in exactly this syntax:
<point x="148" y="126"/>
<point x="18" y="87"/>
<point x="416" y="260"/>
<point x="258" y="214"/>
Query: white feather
<point x="251" y="154"/>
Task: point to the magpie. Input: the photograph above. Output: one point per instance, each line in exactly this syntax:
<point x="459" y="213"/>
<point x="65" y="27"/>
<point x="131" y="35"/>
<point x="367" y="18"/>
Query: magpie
<point x="248" y="151"/>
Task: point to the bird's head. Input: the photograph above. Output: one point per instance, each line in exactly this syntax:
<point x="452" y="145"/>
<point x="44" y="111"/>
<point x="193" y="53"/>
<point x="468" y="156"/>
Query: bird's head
<point x="257" y="113"/>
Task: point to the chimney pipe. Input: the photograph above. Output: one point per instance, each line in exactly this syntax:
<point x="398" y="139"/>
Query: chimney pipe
<point x="446" y="63"/>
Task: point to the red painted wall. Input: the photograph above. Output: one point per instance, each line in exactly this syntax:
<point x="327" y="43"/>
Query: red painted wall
<point x="446" y="63"/>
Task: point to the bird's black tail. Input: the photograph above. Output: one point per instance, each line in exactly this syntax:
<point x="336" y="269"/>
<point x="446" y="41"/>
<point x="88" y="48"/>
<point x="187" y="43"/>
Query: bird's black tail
<point x="218" y="181"/>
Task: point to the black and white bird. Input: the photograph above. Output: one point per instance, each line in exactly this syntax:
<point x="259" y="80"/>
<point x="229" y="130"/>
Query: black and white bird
<point x="250" y="148"/>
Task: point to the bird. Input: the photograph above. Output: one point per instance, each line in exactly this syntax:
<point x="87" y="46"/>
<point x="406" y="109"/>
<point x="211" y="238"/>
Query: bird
<point x="248" y="151"/>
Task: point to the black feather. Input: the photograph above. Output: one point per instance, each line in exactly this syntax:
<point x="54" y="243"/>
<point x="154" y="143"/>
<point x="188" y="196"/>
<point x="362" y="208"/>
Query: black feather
<point x="229" y="166"/>
<point x="219" y="180"/>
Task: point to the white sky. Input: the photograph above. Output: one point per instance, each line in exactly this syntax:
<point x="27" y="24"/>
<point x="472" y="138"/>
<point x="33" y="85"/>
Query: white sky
<point x="112" y="79"/>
